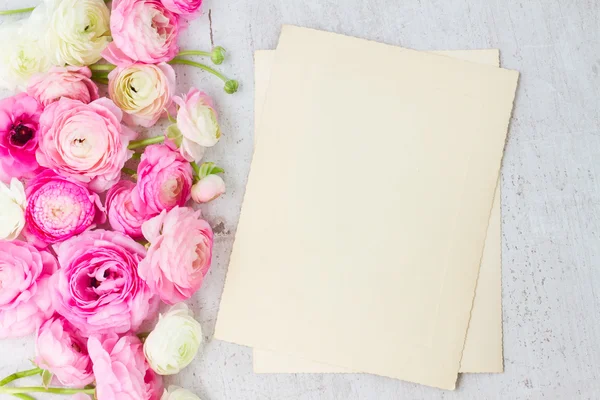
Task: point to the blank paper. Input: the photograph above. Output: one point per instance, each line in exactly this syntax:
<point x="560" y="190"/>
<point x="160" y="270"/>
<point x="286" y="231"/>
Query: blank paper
<point x="367" y="206"/>
<point x="483" y="345"/>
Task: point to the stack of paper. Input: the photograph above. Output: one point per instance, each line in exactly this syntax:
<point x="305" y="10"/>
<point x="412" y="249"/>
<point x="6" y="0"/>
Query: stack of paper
<point x="367" y="210"/>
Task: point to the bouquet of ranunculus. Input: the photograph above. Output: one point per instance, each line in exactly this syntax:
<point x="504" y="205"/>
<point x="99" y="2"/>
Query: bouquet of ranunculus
<point x="90" y="248"/>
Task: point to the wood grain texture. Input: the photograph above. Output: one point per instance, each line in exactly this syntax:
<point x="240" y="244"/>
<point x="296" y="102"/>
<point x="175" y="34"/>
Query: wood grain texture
<point x="550" y="188"/>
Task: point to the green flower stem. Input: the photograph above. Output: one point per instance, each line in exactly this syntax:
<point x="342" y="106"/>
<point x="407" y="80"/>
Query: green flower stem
<point x="40" y="389"/>
<point x="194" y="53"/>
<point x="23" y="396"/>
<point x="128" y="171"/>
<point x="217" y="55"/>
<point x="102" y="67"/>
<point x="17" y="11"/>
<point x="136" y="156"/>
<point x="231" y="85"/>
<point x="136" y="144"/>
<point x="21" y="374"/>
<point x="201" y="66"/>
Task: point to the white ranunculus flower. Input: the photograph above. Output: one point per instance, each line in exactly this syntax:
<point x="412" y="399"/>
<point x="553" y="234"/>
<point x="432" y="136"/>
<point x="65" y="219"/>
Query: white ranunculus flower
<point x="177" y="393"/>
<point x="12" y="209"/>
<point x="78" y="30"/>
<point x="22" y="51"/>
<point x="174" y="342"/>
<point x="197" y="124"/>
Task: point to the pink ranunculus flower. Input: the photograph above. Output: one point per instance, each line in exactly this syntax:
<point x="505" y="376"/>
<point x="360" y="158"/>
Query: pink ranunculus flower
<point x="143" y="31"/>
<point x="183" y="7"/>
<point x="98" y="287"/>
<point x="62" y="351"/>
<point x="70" y="82"/>
<point x="197" y="125"/>
<point x="164" y="180"/>
<point x="142" y="91"/>
<point x="121" y="369"/>
<point x="122" y="214"/>
<point x="86" y="142"/>
<point x="180" y="253"/>
<point x="19" y="125"/>
<point x="59" y="208"/>
<point x="25" y="288"/>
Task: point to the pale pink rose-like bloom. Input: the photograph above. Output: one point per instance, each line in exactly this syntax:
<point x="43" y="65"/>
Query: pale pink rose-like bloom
<point x="179" y="255"/>
<point x="62" y="351"/>
<point x="59" y="208"/>
<point x="197" y="123"/>
<point x="86" y="142"/>
<point x="19" y="136"/>
<point x="122" y="214"/>
<point x="183" y="7"/>
<point x="142" y="31"/>
<point x="26" y="294"/>
<point x="98" y="287"/>
<point x="208" y="189"/>
<point x="142" y="91"/>
<point x="121" y="369"/>
<point x="165" y="180"/>
<point x="70" y="82"/>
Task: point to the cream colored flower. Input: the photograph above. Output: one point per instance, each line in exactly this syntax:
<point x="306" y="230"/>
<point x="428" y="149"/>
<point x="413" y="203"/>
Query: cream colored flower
<point x="177" y="393"/>
<point x="174" y="342"/>
<point x="12" y="209"/>
<point x="142" y="91"/>
<point x="78" y="30"/>
<point x="22" y="53"/>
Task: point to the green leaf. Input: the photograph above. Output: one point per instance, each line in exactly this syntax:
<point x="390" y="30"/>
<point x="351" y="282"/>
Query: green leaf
<point x="174" y="134"/>
<point x="171" y="119"/>
<point x="47" y="378"/>
<point x="209" y="168"/>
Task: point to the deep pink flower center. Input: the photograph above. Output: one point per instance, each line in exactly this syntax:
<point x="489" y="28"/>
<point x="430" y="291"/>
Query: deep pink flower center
<point x="95" y="282"/>
<point x="21" y="134"/>
<point x="76" y="347"/>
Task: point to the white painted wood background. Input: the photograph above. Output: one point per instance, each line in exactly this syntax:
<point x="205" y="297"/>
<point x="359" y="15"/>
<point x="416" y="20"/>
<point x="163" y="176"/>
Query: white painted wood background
<point x="550" y="188"/>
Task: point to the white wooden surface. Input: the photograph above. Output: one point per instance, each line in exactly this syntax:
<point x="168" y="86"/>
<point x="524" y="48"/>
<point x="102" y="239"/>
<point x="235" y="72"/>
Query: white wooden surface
<point x="550" y="188"/>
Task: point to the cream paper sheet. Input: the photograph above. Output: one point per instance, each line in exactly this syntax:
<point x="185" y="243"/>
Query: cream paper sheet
<point x="483" y="345"/>
<point x="367" y="207"/>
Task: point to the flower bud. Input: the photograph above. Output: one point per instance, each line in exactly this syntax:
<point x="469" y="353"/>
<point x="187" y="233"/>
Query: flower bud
<point x="174" y="342"/>
<point x="208" y="189"/>
<point x="217" y="55"/>
<point x="231" y="86"/>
